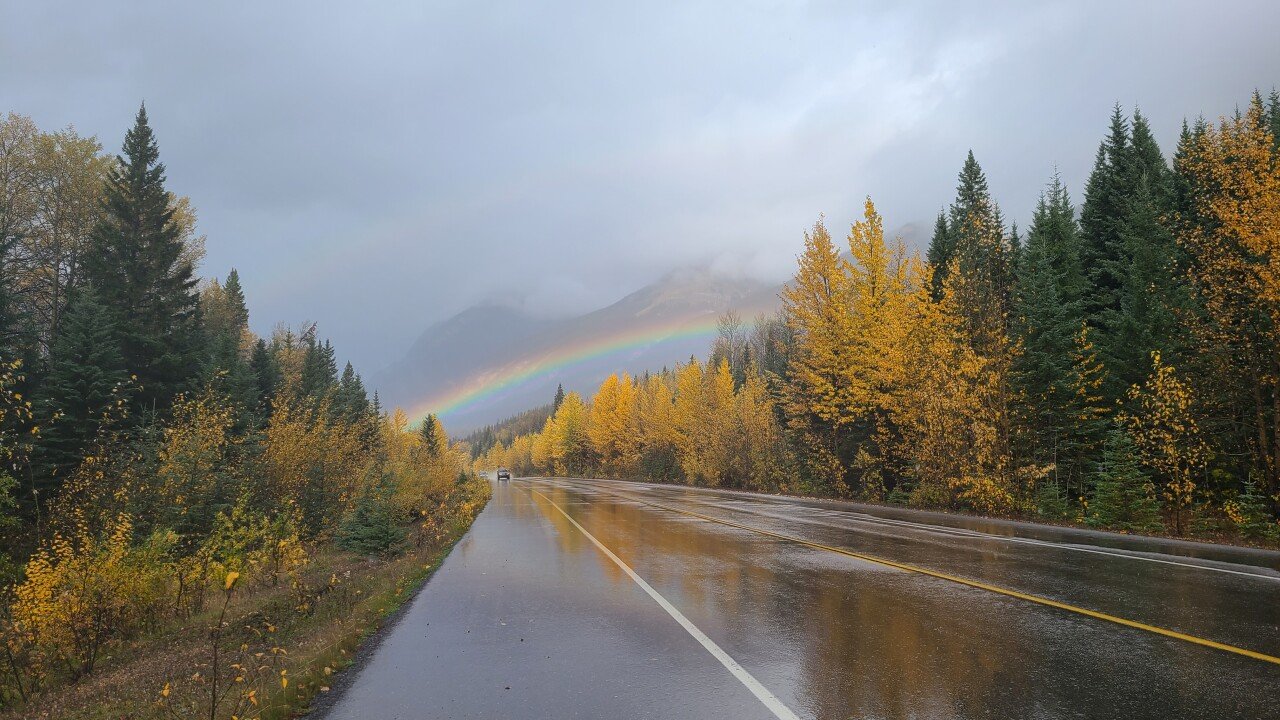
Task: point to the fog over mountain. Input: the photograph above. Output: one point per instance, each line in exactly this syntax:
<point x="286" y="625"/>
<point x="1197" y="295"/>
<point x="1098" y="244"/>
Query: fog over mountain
<point x="491" y="361"/>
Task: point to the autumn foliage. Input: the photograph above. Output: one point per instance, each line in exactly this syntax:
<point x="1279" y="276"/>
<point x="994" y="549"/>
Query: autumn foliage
<point x="1119" y="368"/>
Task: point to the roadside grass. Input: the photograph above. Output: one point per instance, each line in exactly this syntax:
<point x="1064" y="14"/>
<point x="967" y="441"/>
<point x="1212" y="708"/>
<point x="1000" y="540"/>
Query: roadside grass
<point x="279" y="647"/>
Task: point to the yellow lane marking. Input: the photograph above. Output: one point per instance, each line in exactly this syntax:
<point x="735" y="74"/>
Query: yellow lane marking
<point x="767" y="698"/>
<point x="971" y="583"/>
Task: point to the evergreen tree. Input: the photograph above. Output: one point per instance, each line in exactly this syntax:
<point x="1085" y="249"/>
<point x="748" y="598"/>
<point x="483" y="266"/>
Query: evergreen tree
<point x="1152" y="291"/>
<point x="266" y="374"/>
<point x="319" y="367"/>
<point x="984" y="283"/>
<point x="16" y="338"/>
<point x="1089" y="415"/>
<point x="370" y="528"/>
<point x="235" y="300"/>
<point x="941" y="250"/>
<point x="1136" y="287"/>
<point x="555" y="405"/>
<point x="226" y="324"/>
<point x="431" y="435"/>
<point x="1049" y="310"/>
<point x="350" y="400"/>
<point x="136" y="264"/>
<point x="1124" y="497"/>
<point x="86" y="377"/>
<point x="1103" y="212"/>
<point x="1273" y="116"/>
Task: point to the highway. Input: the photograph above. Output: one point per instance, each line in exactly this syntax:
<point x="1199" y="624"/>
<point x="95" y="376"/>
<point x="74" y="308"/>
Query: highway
<point x="576" y="598"/>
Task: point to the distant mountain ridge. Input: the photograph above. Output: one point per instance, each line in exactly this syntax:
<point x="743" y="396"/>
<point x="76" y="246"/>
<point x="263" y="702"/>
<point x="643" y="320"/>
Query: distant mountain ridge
<point x="490" y="361"/>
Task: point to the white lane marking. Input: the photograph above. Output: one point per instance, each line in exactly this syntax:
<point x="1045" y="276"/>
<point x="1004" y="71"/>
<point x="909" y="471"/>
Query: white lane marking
<point x="978" y="535"/>
<point x="762" y="693"/>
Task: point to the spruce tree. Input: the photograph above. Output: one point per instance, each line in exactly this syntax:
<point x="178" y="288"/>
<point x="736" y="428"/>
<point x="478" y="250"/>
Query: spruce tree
<point x="555" y="405"/>
<point x="235" y="300"/>
<point x="1273" y="116"/>
<point x="350" y="400"/>
<point x="1103" y="212"/>
<point x="431" y="436"/>
<point x="319" y="367"/>
<point x="941" y="250"/>
<point x="370" y="528"/>
<point x="1136" y="287"/>
<point x="266" y="375"/>
<point x="136" y="265"/>
<point x="983" y="260"/>
<point x="1048" y="314"/>
<point x="86" y="377"/>
<point x="1124" y="497"/>
<point x="1152" y="292"/>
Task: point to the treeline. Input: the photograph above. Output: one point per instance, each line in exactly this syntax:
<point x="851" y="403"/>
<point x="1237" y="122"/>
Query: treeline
<point x="504" y="432"/>
<point x="156" y="453"/>
<point x="1116" y="365"/>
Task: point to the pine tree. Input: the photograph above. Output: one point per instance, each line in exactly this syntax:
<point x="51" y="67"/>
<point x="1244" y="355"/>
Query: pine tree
<point x="136" y="264"/>
<point x="1124" y="497"/>
<point x="86" y="378"/>
<point x="555" y="405"/>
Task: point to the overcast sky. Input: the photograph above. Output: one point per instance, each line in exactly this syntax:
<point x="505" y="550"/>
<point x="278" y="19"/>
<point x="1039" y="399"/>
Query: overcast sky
<point x="379" y="166"/>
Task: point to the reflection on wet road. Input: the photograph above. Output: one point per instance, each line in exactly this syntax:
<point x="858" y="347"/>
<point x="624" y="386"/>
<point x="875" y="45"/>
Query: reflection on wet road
<point x="598" y="599"/>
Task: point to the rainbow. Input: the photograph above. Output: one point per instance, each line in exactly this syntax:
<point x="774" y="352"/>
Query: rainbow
<point x="493" y="383"/>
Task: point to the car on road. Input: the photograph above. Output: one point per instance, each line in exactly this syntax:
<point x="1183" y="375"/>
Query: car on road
<point x="504" y="474"/>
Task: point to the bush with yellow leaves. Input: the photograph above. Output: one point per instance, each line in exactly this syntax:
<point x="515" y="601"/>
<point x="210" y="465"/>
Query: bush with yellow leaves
<point x="87" y="587"/>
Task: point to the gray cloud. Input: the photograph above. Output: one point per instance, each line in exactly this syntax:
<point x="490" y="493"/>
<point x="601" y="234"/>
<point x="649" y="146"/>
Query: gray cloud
<point x="376" y="167"/>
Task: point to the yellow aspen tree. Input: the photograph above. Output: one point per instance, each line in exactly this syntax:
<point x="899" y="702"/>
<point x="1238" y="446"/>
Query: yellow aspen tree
<point x="950" y="424"/>
<point x="761" y="449"/>
<point x="570" y="440"/>
<point x="612" y="427"/>
<point x="886" y="286"/>
<point x="1234" y="245"/>
<point x="655" y="408"/>
<point x="1163" y="425"/>
<point x="191" y="476"/>
<point x="721" y="440"/>
<point x="818" y="308"/>
<point x="540" y="455"/>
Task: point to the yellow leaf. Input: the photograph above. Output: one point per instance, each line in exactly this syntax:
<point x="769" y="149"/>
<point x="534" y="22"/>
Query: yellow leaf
<point x="231" y="579"/>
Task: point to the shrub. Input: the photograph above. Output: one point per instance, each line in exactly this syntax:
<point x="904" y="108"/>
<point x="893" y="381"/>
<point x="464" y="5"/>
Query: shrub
<point x="1124" y="497"/>
<point x="85" y="589"/>
<point x="1250" y="515"/>
<point x="370" y="527"/>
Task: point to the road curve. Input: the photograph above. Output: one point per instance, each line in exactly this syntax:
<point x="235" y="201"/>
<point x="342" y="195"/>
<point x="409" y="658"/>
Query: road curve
<point x="578" y="598"/>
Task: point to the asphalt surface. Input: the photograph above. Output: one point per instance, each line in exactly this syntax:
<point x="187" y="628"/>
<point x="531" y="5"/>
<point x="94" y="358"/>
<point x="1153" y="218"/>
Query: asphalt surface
<point x="600" y="599"/>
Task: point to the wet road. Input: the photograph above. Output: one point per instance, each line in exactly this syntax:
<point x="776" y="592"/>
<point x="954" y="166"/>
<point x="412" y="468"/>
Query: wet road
<point x="598" y="599"/>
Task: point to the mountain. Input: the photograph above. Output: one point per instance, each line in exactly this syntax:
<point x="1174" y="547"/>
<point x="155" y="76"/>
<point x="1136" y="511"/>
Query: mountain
<point x="490" y="362"/>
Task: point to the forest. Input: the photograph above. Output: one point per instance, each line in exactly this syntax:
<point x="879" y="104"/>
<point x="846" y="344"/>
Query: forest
<point x="1116" y="364"/>
<point x="176" y="490"/>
